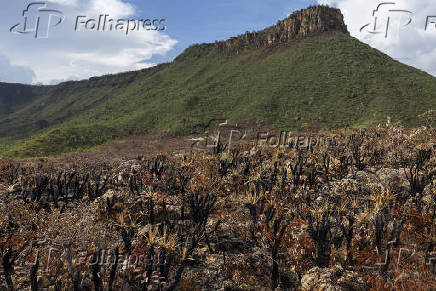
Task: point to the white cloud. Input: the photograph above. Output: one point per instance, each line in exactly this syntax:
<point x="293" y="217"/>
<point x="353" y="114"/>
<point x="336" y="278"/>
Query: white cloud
<point x="65" y="2"/>
<point x="69" y="54"/>
<point x="14" y="74"/>
<point x="115" y="8"/>
<point x="410" y="44"/>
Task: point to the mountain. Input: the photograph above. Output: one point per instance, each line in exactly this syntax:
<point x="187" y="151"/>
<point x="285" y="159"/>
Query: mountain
<point x="304" y="71"/>
<point x="13" y="97"/>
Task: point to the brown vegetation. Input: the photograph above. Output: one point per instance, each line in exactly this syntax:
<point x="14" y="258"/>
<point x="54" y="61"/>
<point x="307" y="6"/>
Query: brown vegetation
<point x="357" y="213"/>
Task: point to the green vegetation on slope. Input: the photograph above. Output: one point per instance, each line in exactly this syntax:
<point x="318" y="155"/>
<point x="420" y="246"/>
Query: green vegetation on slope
<point x="333" y="80"/>
<point x="13" y="97"/>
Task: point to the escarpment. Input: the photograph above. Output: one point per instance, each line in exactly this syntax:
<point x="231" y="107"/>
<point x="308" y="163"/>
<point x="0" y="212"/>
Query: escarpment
<point x="300" y="24"/>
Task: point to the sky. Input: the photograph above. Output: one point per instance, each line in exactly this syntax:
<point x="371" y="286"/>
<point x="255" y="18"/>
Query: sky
<point x="62" y="53"/>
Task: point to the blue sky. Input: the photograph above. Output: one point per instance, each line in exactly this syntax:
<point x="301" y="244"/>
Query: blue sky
<point x="71" y="55"/>
<point x="206" y="21"/>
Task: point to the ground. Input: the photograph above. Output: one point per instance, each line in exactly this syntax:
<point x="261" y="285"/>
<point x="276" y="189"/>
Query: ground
<point x="353" y="211"/>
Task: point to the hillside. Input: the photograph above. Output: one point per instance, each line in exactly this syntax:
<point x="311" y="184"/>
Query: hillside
<point x="304" y="71"/>
<point x="13" y="97"/>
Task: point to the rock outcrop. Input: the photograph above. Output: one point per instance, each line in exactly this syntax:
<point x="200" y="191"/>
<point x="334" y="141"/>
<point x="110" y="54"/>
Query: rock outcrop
<point x="332" y="279"/>
<point x="306" y="22"/>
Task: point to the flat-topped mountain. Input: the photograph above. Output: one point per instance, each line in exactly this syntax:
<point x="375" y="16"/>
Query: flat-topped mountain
<point x="305" y="71"/>
<point x="300" y="24"/>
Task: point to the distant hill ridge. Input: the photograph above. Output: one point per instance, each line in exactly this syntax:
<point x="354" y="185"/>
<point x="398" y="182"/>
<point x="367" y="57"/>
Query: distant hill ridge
<point x="15" y="96"/>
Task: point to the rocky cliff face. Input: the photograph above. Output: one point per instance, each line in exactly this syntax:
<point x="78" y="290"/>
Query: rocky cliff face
<point x="315" y="19"/>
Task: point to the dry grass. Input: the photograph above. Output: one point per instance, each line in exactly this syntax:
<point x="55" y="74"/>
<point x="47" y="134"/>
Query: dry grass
<point x="253" y="218"/>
